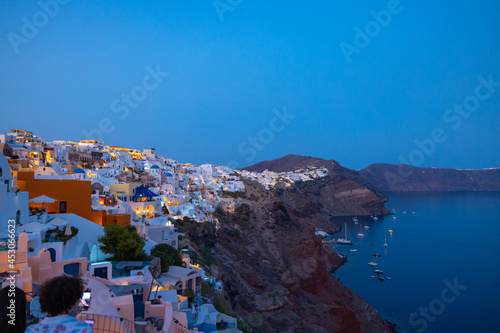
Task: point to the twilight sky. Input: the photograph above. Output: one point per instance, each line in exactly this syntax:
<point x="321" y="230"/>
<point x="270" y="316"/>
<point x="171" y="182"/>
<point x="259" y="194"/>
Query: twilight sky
<point x="355" y="81"/>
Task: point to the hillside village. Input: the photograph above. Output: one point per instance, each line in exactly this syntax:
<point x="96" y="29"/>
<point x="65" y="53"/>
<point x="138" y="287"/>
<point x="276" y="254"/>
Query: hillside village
<point x="61" y="195"/>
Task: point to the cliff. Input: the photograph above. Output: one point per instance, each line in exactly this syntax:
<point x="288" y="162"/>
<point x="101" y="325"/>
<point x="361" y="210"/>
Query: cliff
<point x="276" y="271"/>
<point x="390" y="177"/>
<point x="342" y="192"/>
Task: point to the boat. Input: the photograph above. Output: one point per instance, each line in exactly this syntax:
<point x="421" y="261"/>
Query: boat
<point x="355" y="220"/>
<point x="371" y="263"/>
<point x="413" y="213"/>
<point x="353" y="250"/>
<point x="372" y="276"/>
<point x="404" y="212"/>
<point x="366" y="227"/>
<point x="375" y="254"/>
<point x="385" y="243"/>
<point x="378" y="271"/>
<point x="388" y="278"/>
<point x="381" y="278"/>
<point x="361" y="234"/>
<point x="375" y="218"/>
<point x="345" y="240"/>
<point x="390" y="231"/>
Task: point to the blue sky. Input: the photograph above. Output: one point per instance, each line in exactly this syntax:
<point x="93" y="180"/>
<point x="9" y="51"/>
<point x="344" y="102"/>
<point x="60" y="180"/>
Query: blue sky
<point x="225" y="78"/>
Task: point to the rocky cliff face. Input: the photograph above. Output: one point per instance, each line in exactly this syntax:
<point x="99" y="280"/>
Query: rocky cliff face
<point x="390" y="177"/>
<point x="343" y="192"/>
<point x="276" y="271"/>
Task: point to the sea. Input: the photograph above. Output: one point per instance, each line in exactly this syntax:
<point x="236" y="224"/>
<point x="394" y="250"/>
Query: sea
<point x="443" y="258"/>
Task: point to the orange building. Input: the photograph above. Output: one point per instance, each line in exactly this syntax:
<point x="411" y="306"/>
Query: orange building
<point x="73" y="196"/>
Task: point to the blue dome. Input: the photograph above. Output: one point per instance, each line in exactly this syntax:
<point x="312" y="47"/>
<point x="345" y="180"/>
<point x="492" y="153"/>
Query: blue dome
<point x="79" y="170"/>
<point x="155" y="167"/>
<point x="169" y="174"/>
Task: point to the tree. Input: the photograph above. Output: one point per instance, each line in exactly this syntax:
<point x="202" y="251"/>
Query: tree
<point x="124" y="243"/>
<point x="168" y="255"/>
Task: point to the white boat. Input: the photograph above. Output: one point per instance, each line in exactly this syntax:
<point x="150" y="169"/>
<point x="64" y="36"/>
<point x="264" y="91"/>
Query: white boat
<point x="378" y="271"/>
<point x="388" y="278"/>
<point x="381" y="278"/>
<point x="354" y="219"/>
<point x="361" y="234"/>
<point x="385" y="243"/>
<point x="375" y="218"/>
<point x="345" y="240"/>
<point x="371" y="263"/>
<point x="353" y="250"/>
<point x="366" y="227"/>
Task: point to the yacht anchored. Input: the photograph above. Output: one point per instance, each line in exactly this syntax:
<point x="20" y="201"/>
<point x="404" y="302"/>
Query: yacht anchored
<point x="345" y="240"/>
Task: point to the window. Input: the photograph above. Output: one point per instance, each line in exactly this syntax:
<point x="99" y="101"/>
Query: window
<point x="72" y="269"/>
<point x="101" y="272"/>
<point x="62" y="207"/>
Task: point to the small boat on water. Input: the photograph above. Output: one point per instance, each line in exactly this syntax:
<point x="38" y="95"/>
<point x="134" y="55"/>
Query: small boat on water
<point x="388" y="278"/>
<point x="385" y="243"/>
<point x="355" y="220"/>
<point x="371" y="263"/>
<point x="404" y="212"/>
<point x="375" y="218"/>
<point x="390" y="231"/>
<point x="378" y="271"/>
<point x="366" y="227"/>
<point x="353" y="250"/>
<point x="361" y="234"/>
<point x="381" y="278"/>
<point x="413" y="213"/>
<point x="375" y="254"/>
<point x="345" y="241"/>
<point x="372" y="276"/>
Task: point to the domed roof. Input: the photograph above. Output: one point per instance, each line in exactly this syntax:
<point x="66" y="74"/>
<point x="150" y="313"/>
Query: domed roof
<point x="168" y="174"/>
<point x="155" y="167"/>
<point x="79" y="170"/>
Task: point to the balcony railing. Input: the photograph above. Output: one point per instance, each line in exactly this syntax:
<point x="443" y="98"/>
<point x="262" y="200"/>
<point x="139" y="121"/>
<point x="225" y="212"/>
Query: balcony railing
<point x="108" y="324"/>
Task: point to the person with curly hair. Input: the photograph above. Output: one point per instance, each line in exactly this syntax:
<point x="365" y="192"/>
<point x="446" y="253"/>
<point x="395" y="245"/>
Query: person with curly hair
<point x="59" y="298"/>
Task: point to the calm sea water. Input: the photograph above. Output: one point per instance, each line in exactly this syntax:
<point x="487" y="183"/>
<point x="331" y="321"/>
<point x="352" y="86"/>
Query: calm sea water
<point x="452" y="237"/>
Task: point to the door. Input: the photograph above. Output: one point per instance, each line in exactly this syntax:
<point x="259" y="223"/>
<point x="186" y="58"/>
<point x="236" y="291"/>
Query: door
<point x="62" y="207"/>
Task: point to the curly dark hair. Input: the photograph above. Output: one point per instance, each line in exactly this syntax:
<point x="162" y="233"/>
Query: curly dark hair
<point x="59" y="294"/>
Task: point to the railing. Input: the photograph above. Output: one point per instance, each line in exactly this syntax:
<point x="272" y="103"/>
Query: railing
<point x="108" y="324"/>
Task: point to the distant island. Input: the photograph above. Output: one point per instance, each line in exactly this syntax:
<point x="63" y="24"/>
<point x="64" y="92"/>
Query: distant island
<point x="406" y="178"/>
